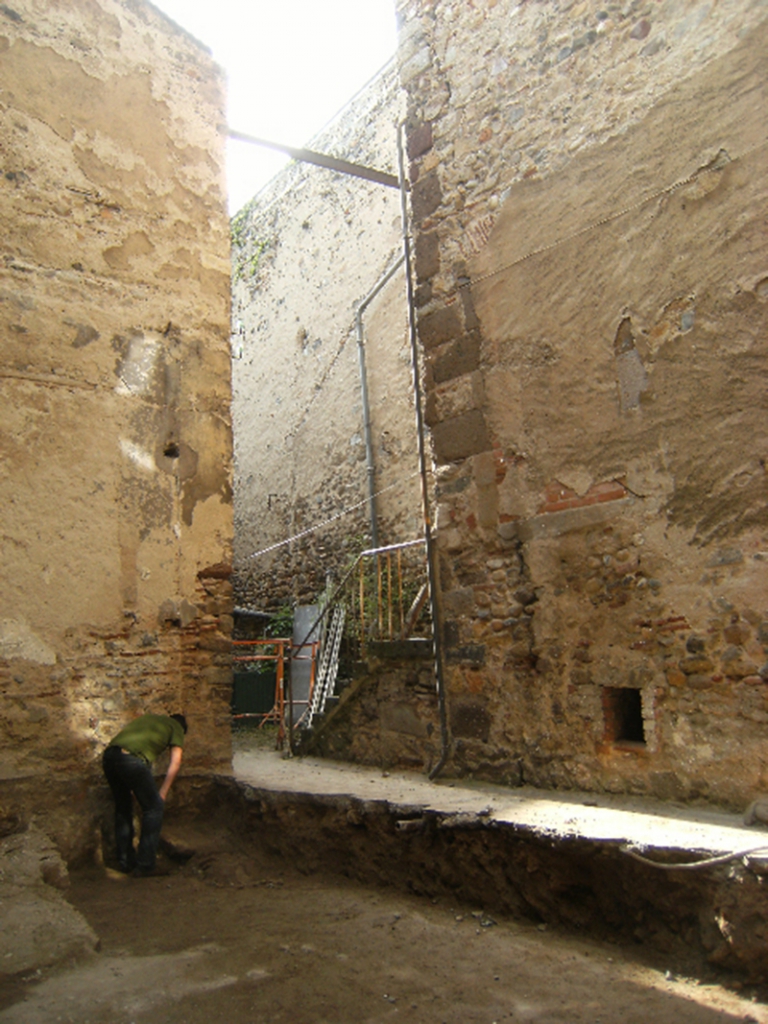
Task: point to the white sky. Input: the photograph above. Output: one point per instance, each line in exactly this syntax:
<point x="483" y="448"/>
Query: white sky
<point x="290" y="65"/>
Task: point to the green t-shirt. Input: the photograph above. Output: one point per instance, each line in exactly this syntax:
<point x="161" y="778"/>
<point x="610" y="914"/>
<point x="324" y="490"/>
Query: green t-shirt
<point x="149" y="735"/>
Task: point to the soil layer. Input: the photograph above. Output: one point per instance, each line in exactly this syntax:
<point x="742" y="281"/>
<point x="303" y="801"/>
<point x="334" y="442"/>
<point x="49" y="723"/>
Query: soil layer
<point x="234" y="937"/>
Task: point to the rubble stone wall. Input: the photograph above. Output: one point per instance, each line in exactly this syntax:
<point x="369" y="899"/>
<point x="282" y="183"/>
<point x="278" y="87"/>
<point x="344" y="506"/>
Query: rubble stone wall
<point x="115" y="425"/>
<point x="307" y="250"/>
<point x="588" y="188"/>
<point x="388" y="714"/>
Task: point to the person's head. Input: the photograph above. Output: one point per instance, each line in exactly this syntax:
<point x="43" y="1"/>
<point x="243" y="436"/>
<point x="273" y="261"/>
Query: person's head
<point x="181" y="720"/>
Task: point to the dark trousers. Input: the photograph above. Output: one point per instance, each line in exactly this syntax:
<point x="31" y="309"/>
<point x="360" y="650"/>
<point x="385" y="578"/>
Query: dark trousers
<point x="128" y="774"/>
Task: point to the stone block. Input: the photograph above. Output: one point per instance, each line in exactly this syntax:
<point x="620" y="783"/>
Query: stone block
<point x="470" y="720"/>
<point x="695" y="644"/>
<point x="217" y="675"/>
<point x="460" y="602"/>
<point x="403" y="650"/>
<point x="455" y="398"/>
<point x="675" y="677"/>
<point x="736" y="663"/>
<point x="461" y="436"/>
<point x="451" y="633"/>
<point x="417" y="64"/>
<point x="484" y="475"/>
<point x="666" y="786"/>
<point x="440" y="326"/>
<point x="427" y="255"/>
<point x="419" y="140"/>
<point x="737" y="633"/>
<point x="456" y="358"/>
<point x="700" y="681"/>
<point x="487" y="506"/>
<point x="423" y="295"/>
<point x="470" y="316"/>
<point x="471" y="655"/>
<point x="426" y="196"/>
<point x="430" y="409"/>
<point x="215" y="642"/>
<point x="402" y="718"/>
<point x="519" y="652"/>
<point x="555" y="524"/>
<point x="696" y="665"/>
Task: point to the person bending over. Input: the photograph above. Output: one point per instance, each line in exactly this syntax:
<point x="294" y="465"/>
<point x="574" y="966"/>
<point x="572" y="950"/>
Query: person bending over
<point x="127" y="764"/>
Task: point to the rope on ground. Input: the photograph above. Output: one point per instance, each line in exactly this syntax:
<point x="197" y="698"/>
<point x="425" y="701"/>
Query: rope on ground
<point x="693" y="865"/>
<point x="326" y="522"/>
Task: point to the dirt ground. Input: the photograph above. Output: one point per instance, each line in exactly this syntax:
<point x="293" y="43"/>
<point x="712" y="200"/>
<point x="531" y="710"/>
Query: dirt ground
<point x="234" y="938"/>
<point x="237" y="936"/>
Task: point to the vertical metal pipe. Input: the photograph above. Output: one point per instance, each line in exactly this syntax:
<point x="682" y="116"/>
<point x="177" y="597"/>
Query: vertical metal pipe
<point x="400" y="589"/>
<point x="378" y="595"/>
<point x="389" y="595"/>
<point x="367" y="431"/>
<point x="437" y="619"/>
<point x="362" y="609"/>
<point x="369" y="464"/>
<point x="281" y="708"/>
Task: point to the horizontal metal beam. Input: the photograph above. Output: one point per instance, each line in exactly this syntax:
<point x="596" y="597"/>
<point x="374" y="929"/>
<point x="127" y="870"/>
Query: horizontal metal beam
<point x="308" y="156"/>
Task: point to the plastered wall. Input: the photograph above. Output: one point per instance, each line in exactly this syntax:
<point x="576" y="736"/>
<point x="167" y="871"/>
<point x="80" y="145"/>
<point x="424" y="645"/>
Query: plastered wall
<point x="588" y="187"/>
<point x="115" y="438"/>
<point x="306" y="251"/>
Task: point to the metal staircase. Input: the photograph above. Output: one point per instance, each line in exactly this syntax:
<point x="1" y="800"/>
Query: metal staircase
<point x="325" y="681"/>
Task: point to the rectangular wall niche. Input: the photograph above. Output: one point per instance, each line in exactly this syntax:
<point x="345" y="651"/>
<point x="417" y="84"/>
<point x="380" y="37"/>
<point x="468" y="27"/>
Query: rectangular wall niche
<point x="623" y="715"/>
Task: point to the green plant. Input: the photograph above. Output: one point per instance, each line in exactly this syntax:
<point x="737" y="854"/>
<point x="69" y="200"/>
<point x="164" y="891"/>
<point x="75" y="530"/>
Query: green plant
<point x="247" y="266"/>
<point x="246" y="250"/>
<point x="281" y="623"/>
<point x="279" y="626"/>
<point x="238" y="228"/>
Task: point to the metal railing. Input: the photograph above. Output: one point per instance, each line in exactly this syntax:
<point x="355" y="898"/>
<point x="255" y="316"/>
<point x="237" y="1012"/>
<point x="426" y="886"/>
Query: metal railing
<point x="382" y="596"/>
<point x="387" y="596"/>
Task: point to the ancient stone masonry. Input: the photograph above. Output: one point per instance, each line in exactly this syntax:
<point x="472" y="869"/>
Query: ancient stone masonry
<point x="116" y="442"/>
<point x="388" y="714"/>
<point x="306" y="251"/>
<point x="588" y="188"/>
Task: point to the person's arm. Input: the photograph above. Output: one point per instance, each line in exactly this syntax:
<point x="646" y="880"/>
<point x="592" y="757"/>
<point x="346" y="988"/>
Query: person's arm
<point x="173" y="770"/>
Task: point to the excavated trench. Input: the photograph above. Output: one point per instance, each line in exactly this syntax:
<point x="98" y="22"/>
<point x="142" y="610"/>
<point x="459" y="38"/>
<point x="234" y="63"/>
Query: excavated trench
<point x="711" y="919"/>
<point x="314" y="892"/>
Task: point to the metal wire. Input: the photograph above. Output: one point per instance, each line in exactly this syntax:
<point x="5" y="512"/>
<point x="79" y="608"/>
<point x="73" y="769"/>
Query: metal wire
<point x="326" y="522"/>
<point x="708" y="862"/>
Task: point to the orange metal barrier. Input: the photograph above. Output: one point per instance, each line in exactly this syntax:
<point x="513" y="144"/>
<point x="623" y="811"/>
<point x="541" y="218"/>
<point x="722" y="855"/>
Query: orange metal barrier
<point x="283" y="651"/>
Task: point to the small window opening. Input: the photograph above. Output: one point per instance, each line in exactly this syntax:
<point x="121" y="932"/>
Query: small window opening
<point x="171" y="451"/>
<point x="623" y="715"/>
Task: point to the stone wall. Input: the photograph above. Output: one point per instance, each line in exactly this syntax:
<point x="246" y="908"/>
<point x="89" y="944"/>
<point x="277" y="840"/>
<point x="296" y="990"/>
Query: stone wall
<point x="116" y="447"/>
<point x="588" y="187"/>
<point x="307" y="250"/>
<point x="388" y="714"/>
